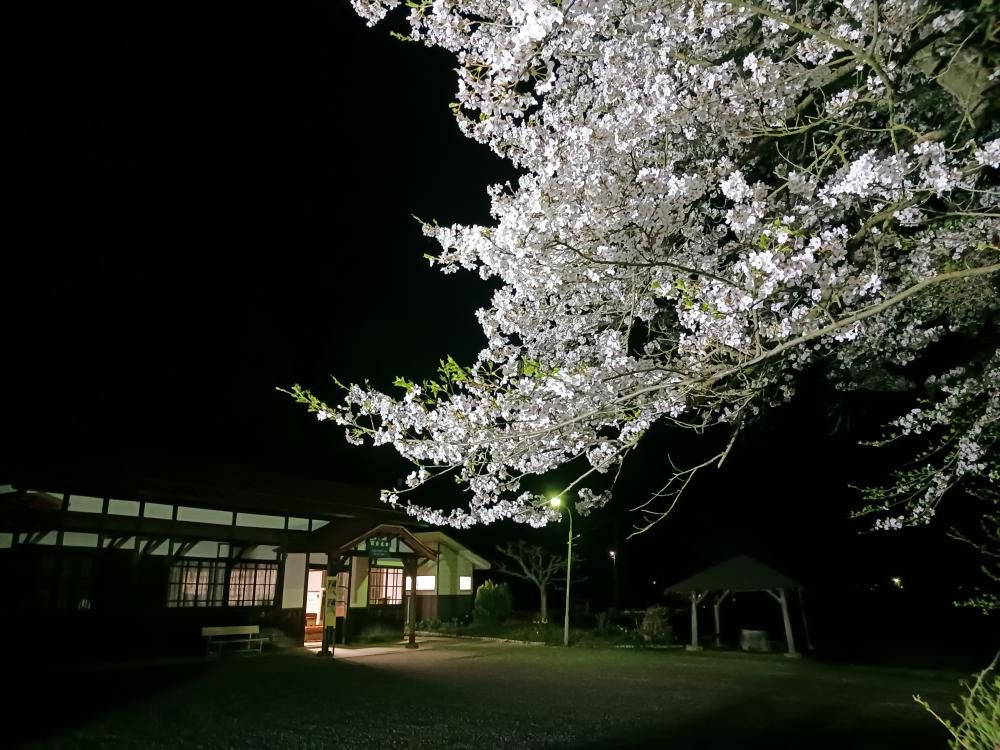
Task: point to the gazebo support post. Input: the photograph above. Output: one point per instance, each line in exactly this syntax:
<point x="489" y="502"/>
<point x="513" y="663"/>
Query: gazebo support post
<point x="805" y="620"/>
<point x="695" y="601"/>
<point x="718" y="632"/>
<point x="789" y="637"/>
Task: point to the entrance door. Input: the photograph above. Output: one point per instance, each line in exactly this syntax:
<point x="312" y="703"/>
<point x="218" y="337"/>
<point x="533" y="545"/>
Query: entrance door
<point x="314" y="605"/>
<point x="385" y="597"/>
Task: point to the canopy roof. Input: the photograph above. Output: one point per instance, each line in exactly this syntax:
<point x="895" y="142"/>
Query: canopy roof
<point x="343" y="538"/>
<point x="740" y="573"/>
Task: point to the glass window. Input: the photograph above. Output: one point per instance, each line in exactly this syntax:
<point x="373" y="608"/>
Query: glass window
<point x="465" y="583"/>
<point x="385" y="586"/>
<point x="196" y="583"/>
<point x="86" y="504"/>
<point x="252" y="584"/>
<point x="204" y="515"/>
<point x="123" y="507"/>
<point x="424" y="583"/>
<point x="159" y="510"/>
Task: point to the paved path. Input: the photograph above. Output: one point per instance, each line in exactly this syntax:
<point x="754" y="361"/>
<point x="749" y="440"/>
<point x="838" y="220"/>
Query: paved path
<point x="488" y="696"/>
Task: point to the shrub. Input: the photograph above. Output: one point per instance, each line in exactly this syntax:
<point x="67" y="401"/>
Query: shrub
<point x="655" y="626"/>
<point x="979" y="715"/>
<point x="380" y="633"/>
<point x="493" y="603"/>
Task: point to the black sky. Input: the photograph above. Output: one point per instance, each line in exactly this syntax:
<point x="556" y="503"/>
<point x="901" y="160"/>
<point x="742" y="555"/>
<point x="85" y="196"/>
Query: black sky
<point x="213" y="200"/>
<point x="217" y="200"/>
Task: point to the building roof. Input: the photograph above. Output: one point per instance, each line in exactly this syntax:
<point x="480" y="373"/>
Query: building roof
<point x="739" y="573"/>
<point x="225" y="487"/>
<point x="439" y="537"/>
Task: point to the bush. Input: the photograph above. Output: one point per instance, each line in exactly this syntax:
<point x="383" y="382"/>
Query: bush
<point x="380" y="633"/>
<point x="979" y="715"/>
<point x="493" y="603"/>
<point x="655" y="626"/>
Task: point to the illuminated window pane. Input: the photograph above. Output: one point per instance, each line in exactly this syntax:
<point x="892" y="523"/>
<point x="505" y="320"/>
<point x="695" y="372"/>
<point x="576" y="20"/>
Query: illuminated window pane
<point x="252" y="584"/>
<point x="465" y="583"/>
<point x="196" y="583"/>
<point x="385" y="586"/>
<point x="425" y="583"/>
<point x="86" y="504"/>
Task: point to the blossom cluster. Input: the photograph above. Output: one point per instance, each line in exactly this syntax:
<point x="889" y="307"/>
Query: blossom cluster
<point x="714" y="196"/>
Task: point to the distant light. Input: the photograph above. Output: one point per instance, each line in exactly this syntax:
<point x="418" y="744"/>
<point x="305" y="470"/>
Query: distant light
<point x="897" y="582"/>
<point x="613" y="554"/>
<point x="555" y="502"/>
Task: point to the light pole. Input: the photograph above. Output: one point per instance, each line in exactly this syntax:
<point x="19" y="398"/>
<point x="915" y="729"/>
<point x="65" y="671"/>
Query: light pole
<point x="556" y="502"/>
<point x="613" y="554"/>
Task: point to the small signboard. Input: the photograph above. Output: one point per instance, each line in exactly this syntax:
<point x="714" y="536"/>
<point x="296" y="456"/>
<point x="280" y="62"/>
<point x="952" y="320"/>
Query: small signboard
<point x="379" y="546"/>
<point x="330" y="611"/>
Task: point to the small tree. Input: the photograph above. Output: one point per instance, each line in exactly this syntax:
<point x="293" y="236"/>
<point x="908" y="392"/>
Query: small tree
<point x="655" y="625"/>
<point x="493" y="602"/>
<point x="978" y="726"/>
<point x="536" y="564"/>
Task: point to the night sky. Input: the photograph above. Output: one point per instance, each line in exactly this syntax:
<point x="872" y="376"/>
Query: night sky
<point x="215" y="200"/>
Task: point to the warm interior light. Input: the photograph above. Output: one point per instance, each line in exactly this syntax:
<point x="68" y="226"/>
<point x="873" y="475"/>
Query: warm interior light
<point x="465" y="583"/>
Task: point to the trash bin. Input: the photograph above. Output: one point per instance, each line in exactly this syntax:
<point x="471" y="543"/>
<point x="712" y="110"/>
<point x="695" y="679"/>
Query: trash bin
<point x="754" y="640"/>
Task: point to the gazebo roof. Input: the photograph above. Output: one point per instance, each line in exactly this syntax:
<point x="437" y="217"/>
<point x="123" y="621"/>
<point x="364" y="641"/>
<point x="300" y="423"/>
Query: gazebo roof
<point x="739" y="573"/>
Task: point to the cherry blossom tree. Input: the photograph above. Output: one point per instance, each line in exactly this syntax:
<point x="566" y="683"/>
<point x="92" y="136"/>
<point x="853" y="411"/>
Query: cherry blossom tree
<point x="714" y="197"/>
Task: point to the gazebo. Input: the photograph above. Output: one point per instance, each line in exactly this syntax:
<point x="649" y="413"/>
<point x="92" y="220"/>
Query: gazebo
<point x="739" y="574"/>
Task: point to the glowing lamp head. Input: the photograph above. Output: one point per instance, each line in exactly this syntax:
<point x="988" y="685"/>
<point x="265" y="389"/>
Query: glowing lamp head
<point x="555" y="502"/>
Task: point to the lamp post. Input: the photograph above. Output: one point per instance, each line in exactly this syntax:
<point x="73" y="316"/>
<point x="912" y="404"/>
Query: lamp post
<point x="556" y="502"/>
<point x="613" y="554"/>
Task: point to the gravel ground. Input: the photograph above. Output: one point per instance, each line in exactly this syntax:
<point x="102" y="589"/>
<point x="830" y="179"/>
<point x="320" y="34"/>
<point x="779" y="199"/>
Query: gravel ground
<point x="478" y="695"/>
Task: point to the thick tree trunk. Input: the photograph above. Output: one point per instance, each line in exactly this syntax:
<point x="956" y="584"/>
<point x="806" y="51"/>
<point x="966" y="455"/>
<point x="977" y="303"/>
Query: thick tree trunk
<point x="544" y="613"/>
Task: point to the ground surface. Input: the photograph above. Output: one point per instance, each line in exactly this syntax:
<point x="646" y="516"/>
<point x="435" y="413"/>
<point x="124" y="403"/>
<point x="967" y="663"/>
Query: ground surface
<point x="476" y="695"/>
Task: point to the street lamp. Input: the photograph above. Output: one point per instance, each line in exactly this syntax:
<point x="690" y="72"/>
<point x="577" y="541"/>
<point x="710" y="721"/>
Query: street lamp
<point x="613" y="554"/>
<point x="556" y="502"/>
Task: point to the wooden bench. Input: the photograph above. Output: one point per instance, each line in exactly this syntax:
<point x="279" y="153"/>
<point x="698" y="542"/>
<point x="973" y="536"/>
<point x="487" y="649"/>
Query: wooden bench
<point x="221" y="636"/>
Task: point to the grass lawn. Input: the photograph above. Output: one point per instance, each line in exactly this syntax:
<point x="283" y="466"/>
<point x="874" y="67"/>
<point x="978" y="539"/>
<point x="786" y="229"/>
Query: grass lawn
<point x="476" y="695"/>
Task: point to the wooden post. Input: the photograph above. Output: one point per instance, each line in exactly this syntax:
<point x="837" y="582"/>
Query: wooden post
<point x="805" y="621"/>
<point x="347" y="562"/>
<point x="788" y="624"/>
<point x="410" y="569"/>
<point x="329" y="631"/>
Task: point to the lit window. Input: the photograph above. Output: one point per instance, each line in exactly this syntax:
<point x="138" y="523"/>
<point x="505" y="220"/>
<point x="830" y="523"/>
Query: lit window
<point x="252" y="584"/>
<point x="196" y="583"/>
<point x="465" y="583"/>
<point x="425" y="583"/>
<point x="385" y="586"/>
